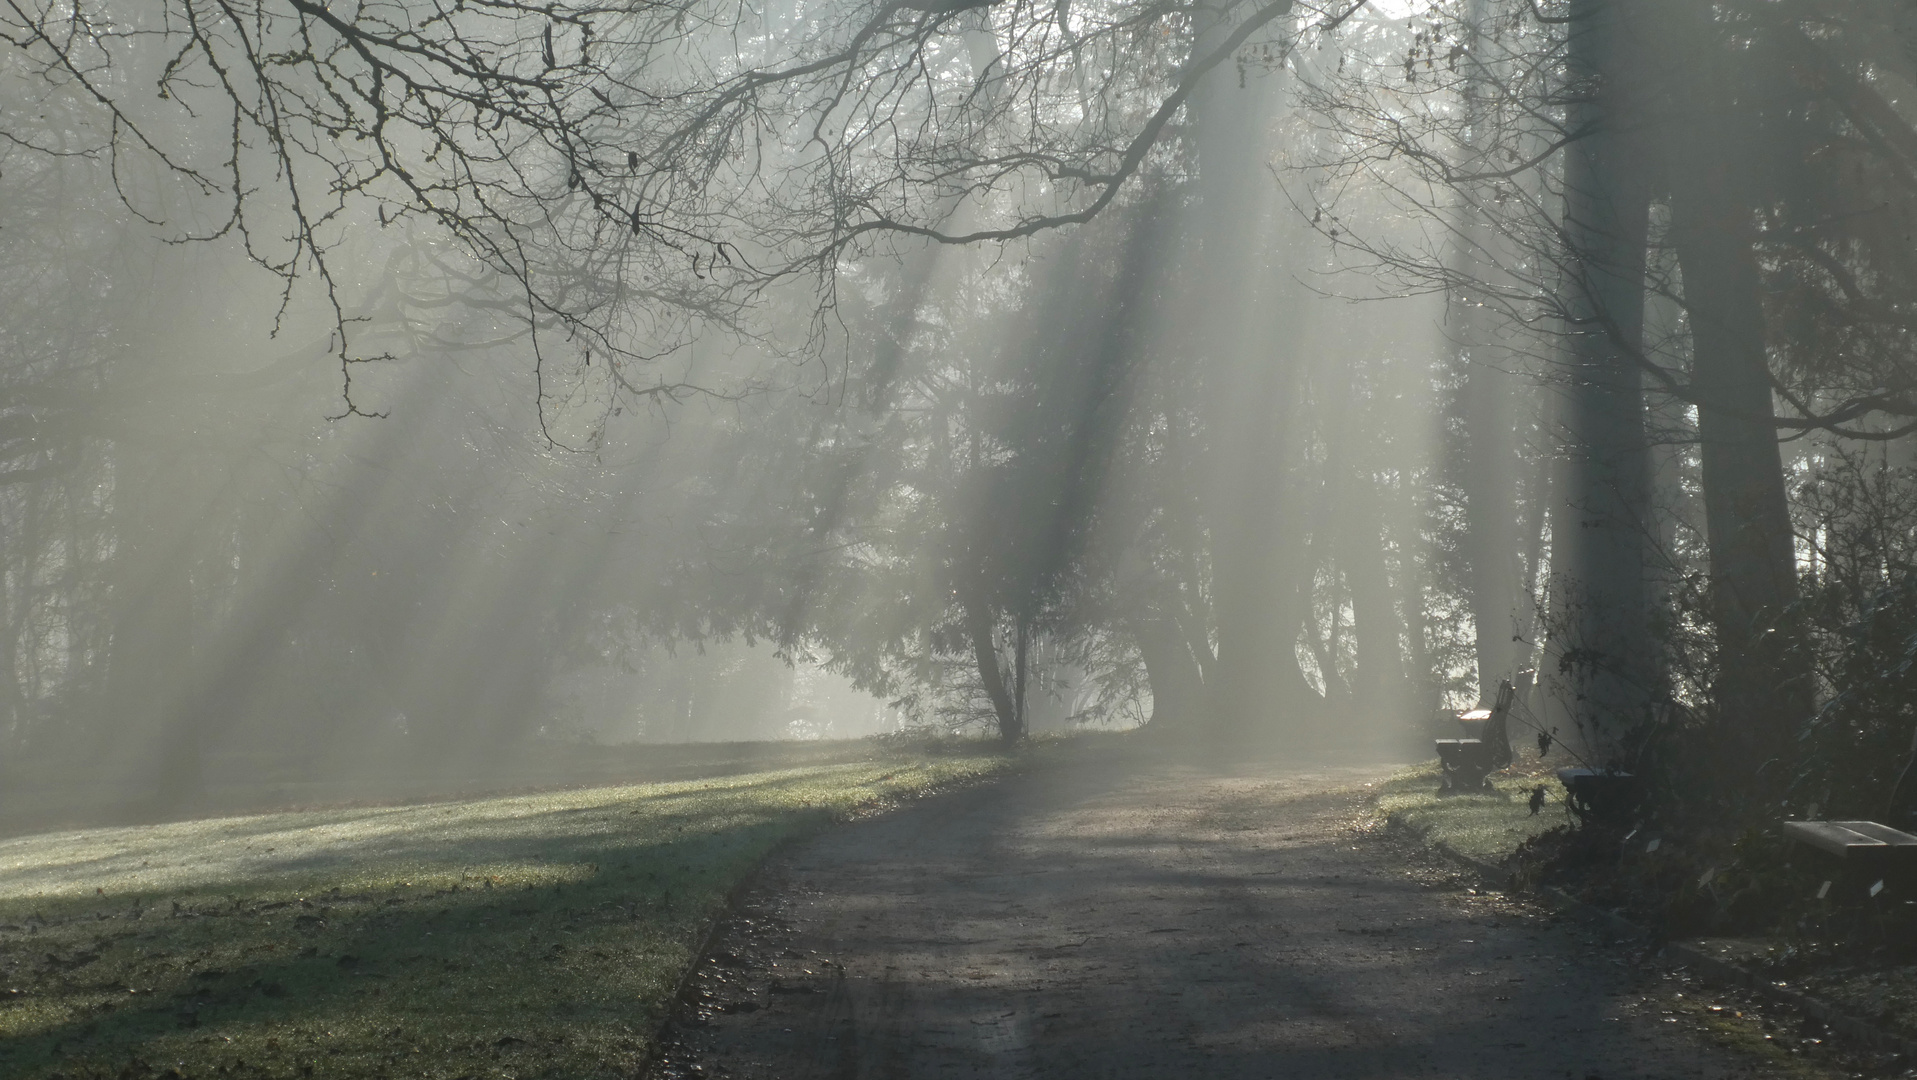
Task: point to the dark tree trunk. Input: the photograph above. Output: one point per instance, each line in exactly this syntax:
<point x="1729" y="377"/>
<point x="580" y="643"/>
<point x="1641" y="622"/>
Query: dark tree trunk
<point x="1486" y="401"/>
<point x="1491" y="519"/>
<point x="980" y="625"/>
<point x="1606" y="217"/>
<point x="1177" y="684"/>
<point x="1761" y="689"/>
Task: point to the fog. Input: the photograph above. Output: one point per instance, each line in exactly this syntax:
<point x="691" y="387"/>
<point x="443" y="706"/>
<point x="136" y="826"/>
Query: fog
<point x="397" y="397"/>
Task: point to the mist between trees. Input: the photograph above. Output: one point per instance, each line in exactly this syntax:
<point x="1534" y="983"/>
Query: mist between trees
<point x="404" y="385"/>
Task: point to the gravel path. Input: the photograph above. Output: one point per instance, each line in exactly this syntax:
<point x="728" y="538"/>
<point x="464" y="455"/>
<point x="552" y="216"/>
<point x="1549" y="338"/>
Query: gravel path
<point x="1154" y="919"/>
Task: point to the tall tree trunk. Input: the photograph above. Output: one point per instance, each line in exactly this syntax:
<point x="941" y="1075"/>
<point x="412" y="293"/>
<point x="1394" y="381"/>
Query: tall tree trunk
<point x="1349" y="522"/>
<point x="1545" y="518"/>
<point x="1486" y="400"/>
<point x="1021" y="666"/>
<point x="1408" y="534"/>
<point x="1606" y="216"/>
<point x="1490" y="515"/>
<point x="1380" y="682"/>
<point x="1256" y="678"/>
<point x="1762" y="691"/>
<point x="1667" y="418"/>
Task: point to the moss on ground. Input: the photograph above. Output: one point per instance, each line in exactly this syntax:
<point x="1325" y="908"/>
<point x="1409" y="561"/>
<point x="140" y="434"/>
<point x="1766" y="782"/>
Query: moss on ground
<point x="530" y="936"/>
<point x="1485" y="826"/>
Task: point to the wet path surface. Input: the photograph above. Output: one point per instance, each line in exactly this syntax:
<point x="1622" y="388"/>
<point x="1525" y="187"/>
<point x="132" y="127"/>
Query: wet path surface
<point x="1159" y="920"/>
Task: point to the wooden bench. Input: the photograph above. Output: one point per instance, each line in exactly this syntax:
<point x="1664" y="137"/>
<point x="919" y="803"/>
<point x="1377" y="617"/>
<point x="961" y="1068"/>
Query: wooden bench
<point x="1487" y="748"/>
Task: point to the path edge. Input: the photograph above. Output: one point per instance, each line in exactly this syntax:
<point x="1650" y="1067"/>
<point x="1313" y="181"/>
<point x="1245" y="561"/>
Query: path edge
<point x="1714" y="970"/>
<point x="653" y="1063"/>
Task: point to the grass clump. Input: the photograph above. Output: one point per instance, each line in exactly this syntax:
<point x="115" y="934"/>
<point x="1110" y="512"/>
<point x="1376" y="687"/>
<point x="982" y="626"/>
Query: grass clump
<point x="529" y="936"/>
<point x="1487" y="826"/>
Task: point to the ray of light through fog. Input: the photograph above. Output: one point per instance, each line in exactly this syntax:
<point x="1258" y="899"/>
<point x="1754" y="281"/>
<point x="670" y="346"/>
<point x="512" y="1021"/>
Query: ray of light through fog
<point x="1031" y="371"/>
<point x="1143" y="450"/>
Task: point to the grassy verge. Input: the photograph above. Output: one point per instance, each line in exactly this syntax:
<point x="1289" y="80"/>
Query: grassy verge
<point x="529" y="936"/>
<point x="1488" y="826"/>
<point x="245" y="785"/>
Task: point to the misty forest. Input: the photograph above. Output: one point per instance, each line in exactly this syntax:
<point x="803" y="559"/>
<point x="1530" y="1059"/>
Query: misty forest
<point x="734" y="422"/>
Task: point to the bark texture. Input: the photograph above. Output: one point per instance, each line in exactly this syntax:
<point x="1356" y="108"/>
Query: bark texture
<point x="1761" y="688"/>
<point x="1607" y="654"/>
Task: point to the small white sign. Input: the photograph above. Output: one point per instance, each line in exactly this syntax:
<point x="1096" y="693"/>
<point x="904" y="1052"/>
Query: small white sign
<point x="1652" y="846"/>
<point x="1877" y="888"/>
<point x="1709" y="876"/>
<point x="1823" y="890"/>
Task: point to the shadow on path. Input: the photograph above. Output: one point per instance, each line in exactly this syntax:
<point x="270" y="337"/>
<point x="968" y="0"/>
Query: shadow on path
<point x="1157" y="919"/>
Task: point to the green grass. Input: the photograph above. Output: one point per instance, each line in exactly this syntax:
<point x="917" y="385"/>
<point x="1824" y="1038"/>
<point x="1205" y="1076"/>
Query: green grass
<point x="1488" y="826"/>
<point x="529" y="936"/>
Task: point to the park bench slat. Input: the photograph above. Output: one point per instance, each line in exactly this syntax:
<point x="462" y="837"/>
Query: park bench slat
<point x="1879" y="831"/>
<point x="1854" y="840"/>
<point x="1474" y="724"/>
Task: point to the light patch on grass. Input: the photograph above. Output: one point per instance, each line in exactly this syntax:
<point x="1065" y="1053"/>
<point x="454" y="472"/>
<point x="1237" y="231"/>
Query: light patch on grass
<point x="536" y="935"/>
<point x="1484" y="826"/>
